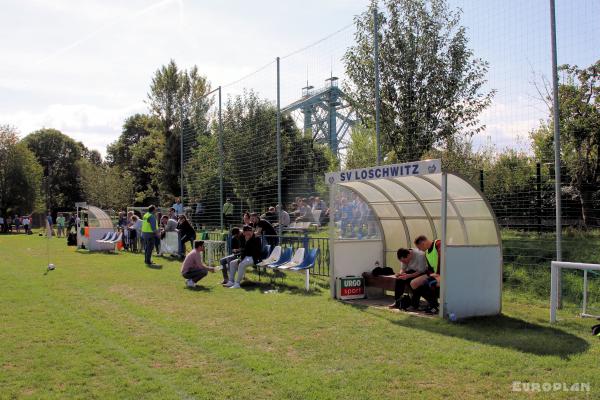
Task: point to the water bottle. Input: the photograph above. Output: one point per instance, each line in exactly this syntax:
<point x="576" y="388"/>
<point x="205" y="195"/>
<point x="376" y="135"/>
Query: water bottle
<point x="452" y="317"/>
<point x="376" y="264"/>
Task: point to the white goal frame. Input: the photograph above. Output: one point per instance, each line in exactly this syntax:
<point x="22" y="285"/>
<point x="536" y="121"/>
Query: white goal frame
<point x="555" y="269"/>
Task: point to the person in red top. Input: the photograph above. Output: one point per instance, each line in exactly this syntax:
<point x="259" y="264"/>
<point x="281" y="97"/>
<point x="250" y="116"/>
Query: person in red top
<point x="193" y="269"/>
<point x="428" y="285"/>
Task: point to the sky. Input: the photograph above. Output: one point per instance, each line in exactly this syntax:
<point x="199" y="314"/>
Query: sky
<point x="83" y="66"/>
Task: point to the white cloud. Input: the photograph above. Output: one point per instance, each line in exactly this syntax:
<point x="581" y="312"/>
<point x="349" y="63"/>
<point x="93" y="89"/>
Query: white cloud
<point x="94" y="126"/>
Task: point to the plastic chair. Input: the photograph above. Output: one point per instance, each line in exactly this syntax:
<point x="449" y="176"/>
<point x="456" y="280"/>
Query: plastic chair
<point x="286" y="256"/>
<point x="273" y="257"/>
<point x="295" y="261"/>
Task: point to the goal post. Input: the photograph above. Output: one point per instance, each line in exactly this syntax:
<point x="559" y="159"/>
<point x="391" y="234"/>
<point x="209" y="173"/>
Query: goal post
<point x="555" y="268"/>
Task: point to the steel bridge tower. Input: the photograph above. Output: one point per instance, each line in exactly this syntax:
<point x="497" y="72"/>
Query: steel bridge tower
<point x="327" y="114"/>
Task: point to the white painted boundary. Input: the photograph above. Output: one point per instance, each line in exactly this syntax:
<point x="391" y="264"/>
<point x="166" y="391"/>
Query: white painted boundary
<point x="555" y="268"/>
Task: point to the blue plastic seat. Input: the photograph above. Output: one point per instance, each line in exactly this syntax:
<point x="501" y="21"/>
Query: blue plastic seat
<point x="286" y="255"/>
<point x="309" y="260"/>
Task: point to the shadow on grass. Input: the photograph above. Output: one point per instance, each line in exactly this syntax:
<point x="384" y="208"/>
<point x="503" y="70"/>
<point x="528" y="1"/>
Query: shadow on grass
<point x="199" y="288"/>
<point x="501" y="331"/>
<point x="269" y="283"/>
<point x="153" y="266"/>
<point x="87" y="252"/>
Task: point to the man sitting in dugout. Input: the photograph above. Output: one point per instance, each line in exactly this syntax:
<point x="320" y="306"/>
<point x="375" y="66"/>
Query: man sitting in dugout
<point x="412" y="266"/>
<point x="428" y="285"/>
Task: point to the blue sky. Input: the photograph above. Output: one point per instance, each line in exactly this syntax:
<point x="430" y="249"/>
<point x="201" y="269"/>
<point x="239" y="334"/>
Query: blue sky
<point x="83" y="66"/>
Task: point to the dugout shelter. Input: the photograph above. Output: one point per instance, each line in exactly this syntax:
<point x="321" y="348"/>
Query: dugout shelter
<point x="379" y="209"/>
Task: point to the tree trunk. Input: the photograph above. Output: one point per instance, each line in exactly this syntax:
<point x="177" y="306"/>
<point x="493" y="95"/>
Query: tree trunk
<point x="587" y="207"/>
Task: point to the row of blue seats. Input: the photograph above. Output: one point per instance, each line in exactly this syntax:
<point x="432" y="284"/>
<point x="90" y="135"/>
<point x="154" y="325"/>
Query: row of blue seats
<point x="282" y="258"/>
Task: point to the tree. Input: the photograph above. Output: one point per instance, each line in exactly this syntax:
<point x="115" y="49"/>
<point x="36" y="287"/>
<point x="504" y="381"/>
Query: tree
<point x="579" y="118"/>
<point x="138" y="151"/>
<point x="362" y="150"/>
<point x="20" y="174"/>
<point x="431" y="83"/>
<point x="58" y="155"/>
<point x="105" y="186"/>
<point x="177" y="98"/>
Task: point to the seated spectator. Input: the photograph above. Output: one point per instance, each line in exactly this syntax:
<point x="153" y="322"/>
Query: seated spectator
<point x="304" y="213"/>
<point x="270" y="216"/>
<point x="285" y="217"/>
<point x="193" y="269"/>
<point x="412" y="265"/>
<point x="186" y="234"/>
<point x="264" y="229"/>
<point x="249" y="255"/>
<point x="427" y="286"/>
<point x="246" y="219"/>
<point x="237" y="243"/>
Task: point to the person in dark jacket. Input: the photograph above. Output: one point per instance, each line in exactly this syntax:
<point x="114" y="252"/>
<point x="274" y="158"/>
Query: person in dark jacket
<point x="237" y="243"/>
<point x="249" y="255"/>
<point x="186" y="234"/>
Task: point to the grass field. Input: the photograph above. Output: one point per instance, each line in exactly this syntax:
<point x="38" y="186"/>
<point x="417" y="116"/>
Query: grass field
<point x="105" y="326"/>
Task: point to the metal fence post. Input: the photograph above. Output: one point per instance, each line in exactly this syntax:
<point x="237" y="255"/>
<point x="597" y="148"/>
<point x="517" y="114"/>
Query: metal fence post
<point x="556" y="120"/>
<point x="181" y="119"/>
<point x="376" y="67"/>
<point x="220" y="159"/>
<point x="279" y="201"/>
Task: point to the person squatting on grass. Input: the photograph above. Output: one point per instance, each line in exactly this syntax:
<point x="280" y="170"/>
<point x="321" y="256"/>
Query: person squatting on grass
<point x="413" y="265"/>
<point x="249" y="255"/>
<point x="193" y="269"/>
<point x="237" y="243"/>
<point x="428" y="285"/>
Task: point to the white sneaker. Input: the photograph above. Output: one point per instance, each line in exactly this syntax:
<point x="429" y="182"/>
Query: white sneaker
<point x="229" y="284"/>
<point x="235" y="286"/>
<point x="190" y="283"/>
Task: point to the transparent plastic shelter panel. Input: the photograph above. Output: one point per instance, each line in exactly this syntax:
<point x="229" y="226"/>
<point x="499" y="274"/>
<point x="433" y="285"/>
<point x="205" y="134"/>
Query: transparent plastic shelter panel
<point x="423" y="189"/>
<point x="434" y="208"/>
<point x="354" y="218"/>
<point x="455" y="233"/>
<point x="395" y="236"/>
<point x="385" y="210"/>
<point x="473" y="209"/>
<point x="371" y="194"/>
<point x="482" y="232"/>
<point x="395" y="191"/>
<point x="412" y="209"/>
<point x="418" y="227"/>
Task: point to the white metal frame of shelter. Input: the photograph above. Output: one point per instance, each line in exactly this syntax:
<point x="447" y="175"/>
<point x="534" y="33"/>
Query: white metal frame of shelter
<point x="417" y="198"/>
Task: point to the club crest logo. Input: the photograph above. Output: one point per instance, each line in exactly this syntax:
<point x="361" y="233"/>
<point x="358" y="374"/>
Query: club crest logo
<point x="432" y="168"/>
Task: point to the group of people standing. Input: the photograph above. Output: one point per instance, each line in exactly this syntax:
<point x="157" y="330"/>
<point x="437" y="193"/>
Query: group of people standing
<point x="7" y="223"/>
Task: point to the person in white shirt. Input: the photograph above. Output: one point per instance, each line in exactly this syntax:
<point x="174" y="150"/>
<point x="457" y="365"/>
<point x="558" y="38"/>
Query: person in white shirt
<point x="413" y="264"/>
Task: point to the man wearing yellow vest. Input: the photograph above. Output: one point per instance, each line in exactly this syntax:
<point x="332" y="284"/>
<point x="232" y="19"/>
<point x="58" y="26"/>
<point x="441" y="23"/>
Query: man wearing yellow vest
<point x="149" y="233"/>
<point x="427" y="285"/>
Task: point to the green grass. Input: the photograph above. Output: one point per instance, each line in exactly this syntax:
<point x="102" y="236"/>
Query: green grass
<point x="105" y="326"/>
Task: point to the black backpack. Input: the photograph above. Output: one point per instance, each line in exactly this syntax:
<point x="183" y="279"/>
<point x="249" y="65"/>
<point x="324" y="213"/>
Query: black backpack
<point x="378" y="271"/>
<point x="596" y="330"/>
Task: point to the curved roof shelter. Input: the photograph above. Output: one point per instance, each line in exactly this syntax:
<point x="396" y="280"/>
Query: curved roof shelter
<point x="413" y="199"/>
<point x="98" y="218"/>
<point x="411" y="206"/>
